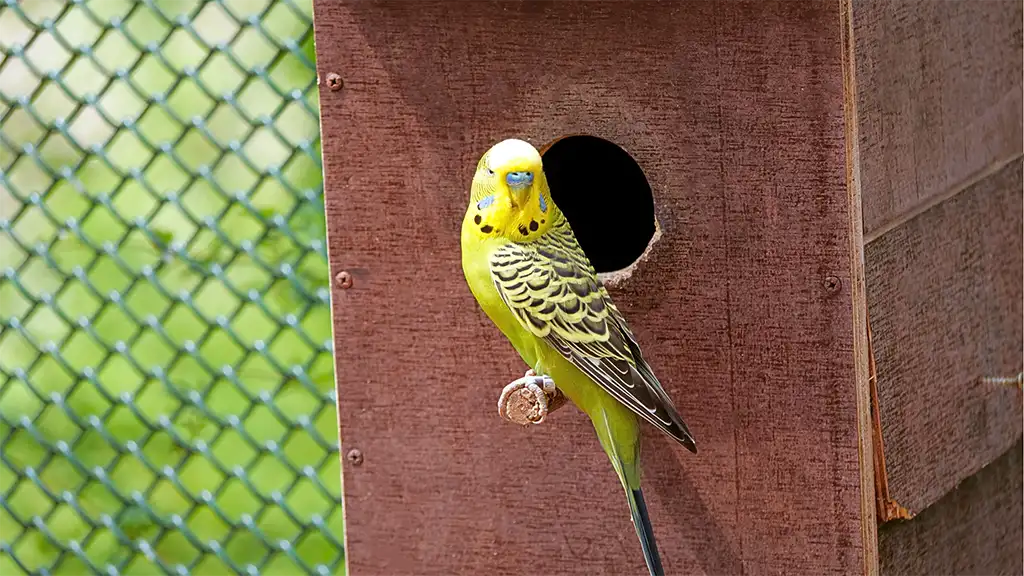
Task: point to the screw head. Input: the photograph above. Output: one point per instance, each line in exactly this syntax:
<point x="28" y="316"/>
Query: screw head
<point x="355" y="457"/>
<point x="334" y="81"/>
<point x="343" y="280"/>
<point x="832" y="284"/>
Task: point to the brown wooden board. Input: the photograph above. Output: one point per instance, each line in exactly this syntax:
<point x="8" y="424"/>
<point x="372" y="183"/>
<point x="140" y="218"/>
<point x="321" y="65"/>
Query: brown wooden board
<point x="939" y="99"/>
<point x="974" y="529"/>
<point x="945" y="302"/>
<point x="735" y="112"/>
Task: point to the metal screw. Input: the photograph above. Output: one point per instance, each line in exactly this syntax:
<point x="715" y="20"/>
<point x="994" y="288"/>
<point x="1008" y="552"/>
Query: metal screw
<point x="355" y="457"/>
<point x="832" y="284"/>
<point x="1017" y="380"/>
<point x="334" y="81"/>
<point x="343" y="279"/>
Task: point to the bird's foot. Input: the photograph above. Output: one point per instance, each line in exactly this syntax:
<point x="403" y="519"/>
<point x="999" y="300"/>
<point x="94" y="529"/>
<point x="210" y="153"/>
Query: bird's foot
<point x="529" y="399"/>
<point x="544" y="382"/>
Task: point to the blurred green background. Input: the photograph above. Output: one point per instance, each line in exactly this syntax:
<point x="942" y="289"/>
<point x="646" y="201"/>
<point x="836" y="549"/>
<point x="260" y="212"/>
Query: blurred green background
<point x="166" y="380"/>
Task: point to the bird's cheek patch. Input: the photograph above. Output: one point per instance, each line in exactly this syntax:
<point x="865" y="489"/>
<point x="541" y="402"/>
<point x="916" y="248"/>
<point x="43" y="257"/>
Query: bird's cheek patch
<point x="485" y="202"/>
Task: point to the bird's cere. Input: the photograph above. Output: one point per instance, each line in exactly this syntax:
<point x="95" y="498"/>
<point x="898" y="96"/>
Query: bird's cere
<point x="519" y="179"/>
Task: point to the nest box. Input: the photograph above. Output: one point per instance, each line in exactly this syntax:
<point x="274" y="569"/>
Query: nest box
<point x="707" y="154"/>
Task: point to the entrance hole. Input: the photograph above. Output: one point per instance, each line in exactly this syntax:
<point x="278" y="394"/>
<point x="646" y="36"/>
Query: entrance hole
<point x="605" y="196"/>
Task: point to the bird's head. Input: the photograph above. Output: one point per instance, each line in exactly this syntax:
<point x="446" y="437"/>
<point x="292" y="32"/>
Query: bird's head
<point x="510" y="195"/>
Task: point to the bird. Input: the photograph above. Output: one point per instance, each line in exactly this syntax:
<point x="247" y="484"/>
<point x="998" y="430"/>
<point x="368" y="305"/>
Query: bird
<point x="530" y="276"/>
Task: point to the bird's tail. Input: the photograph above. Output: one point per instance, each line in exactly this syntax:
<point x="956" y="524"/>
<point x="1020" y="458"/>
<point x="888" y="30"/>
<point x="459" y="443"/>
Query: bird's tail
<point x="638" y="509"/>
<point x="621" y="441"/>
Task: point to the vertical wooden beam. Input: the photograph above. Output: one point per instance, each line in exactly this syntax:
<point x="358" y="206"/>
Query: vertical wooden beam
<point x="866" y="429"/>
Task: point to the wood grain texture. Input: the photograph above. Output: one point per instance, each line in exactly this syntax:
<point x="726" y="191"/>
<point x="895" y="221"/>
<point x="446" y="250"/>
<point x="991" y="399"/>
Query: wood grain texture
<point x="945" y="302"/>
<point x="974" y="529"/>
<point x="867" y="429"/>
<point x="735" y="112"/>
<point x="939" y="98"/>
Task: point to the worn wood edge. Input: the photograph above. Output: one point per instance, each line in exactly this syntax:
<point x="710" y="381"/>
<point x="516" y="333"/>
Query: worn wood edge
<point x="615" y="278"/>
<point x="887" y="508"/>
<point x="858" y="294"/>
<point x="938" y="199"/>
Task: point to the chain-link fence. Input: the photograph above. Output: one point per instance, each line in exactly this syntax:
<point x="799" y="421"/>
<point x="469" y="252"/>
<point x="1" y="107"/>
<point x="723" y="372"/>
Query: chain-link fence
<point x="166" y="381"/>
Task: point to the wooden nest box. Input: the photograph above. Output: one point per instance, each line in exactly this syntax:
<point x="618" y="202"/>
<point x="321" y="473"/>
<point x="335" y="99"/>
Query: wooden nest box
<point x="812" y="212"/>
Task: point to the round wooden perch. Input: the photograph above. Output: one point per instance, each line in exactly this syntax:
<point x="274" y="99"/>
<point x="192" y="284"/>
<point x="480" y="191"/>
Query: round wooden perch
<point x="529" y="399"/>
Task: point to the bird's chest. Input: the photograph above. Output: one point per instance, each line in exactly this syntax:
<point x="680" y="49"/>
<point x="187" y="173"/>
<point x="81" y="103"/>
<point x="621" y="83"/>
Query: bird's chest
<point x="478" y="275"/>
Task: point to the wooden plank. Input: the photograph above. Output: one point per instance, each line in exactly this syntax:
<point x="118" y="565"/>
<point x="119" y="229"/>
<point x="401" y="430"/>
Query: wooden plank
<point x="735" y="112"/>
<point x="945" y="302"/>
<point x="939" y="100"/>
<point x="974" y="529"/>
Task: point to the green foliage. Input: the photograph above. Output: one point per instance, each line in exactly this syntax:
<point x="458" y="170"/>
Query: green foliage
<point x="166" y="380"/>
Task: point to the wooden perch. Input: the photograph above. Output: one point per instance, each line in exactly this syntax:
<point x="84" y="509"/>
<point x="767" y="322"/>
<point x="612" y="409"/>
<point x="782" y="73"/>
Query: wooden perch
<point x="529" y="399"/>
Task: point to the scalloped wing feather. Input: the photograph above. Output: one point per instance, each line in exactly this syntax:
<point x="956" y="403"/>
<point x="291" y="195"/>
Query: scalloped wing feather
<point x="553" y="291"/>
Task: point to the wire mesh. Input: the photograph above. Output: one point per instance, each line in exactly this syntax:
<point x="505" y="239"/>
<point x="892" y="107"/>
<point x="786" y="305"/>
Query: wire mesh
<point x="166" y="381"/>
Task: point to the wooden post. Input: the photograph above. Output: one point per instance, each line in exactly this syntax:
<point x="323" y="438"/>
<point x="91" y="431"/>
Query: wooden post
<point x="749" y="306"/>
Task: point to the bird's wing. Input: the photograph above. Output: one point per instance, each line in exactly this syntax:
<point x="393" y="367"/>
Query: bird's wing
<point x="554" y="292"/>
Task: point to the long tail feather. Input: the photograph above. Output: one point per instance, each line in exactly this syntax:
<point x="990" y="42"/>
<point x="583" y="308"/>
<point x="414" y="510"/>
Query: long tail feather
<point x="638" y="508"/>
<point x="629" y="475"/>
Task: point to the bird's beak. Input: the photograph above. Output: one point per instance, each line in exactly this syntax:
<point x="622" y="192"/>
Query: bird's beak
<point x="519" y="184"/>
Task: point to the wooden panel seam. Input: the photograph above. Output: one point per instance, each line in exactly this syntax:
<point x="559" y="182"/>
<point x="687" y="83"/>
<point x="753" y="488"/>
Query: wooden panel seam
<point x="940" y="99"/>
<point x="858" y="293"/>
<point x="934" y="201"/>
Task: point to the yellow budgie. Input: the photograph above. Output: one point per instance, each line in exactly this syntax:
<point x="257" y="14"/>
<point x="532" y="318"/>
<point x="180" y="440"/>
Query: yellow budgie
<point x="529" y="274"/>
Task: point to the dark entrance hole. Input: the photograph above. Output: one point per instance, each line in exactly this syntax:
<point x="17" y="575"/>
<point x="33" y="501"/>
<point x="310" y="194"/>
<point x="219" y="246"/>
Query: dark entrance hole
<point x="606" y="197"/>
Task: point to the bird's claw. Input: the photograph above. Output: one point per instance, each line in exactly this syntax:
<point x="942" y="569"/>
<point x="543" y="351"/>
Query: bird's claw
<point x="544" y="382"/>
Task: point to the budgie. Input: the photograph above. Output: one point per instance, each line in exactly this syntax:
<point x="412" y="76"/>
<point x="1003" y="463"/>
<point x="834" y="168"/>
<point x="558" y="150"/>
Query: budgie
<point x="532" y="279"/>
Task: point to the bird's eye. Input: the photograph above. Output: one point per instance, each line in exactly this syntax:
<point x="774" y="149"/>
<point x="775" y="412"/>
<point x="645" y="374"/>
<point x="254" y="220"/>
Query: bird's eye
<point x="491" y="172"/>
